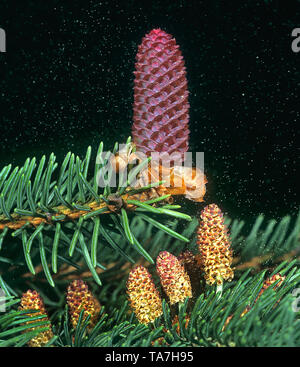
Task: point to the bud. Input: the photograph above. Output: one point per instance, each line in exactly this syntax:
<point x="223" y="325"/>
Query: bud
<point x="214" y="246"/>
<point x="80" y="298"/>
<point x="175" y="322"/>
<point x="144" y="298"/>
<point x="267" y="283"/>
<point x="189" y="261"/>
<point x="174" y="279"/>
<point x="31" y="300"/>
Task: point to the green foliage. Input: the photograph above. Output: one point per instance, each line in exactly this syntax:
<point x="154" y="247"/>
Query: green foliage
<point x="271" y="320"/>
<point x="104" y="245"/>
<point x="275" y="238"/>
<point x="58" y="213"/>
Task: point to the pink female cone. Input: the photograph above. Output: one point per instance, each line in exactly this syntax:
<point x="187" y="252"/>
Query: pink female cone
<point x="161" y="108"/>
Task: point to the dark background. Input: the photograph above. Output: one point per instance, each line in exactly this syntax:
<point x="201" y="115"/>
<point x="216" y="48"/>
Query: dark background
<point x="66" y="82"/>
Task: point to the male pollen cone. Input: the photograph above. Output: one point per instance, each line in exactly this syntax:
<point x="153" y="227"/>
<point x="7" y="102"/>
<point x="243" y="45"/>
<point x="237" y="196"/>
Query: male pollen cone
<point x="161" y="108"/>
<point x="79" y="298"/>
<point x="213" y="241"/>
<point x="173" y="277"/>
<point x="31" y="300"/>
<point x="144" y="298"/>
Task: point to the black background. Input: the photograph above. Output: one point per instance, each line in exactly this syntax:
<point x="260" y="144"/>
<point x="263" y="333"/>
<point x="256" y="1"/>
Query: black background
<point x="66" y="81"/>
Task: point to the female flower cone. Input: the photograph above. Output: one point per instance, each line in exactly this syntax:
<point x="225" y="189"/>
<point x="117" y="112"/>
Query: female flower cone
<point x="174" y="280"/>
<point x="80" y="298"/>
<point x="143" y="295"/>
<point x="213" y="241"/>
<point x="161" y="108"/>
<point x="161" y="116"/>
<point x="31" y="300"/>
